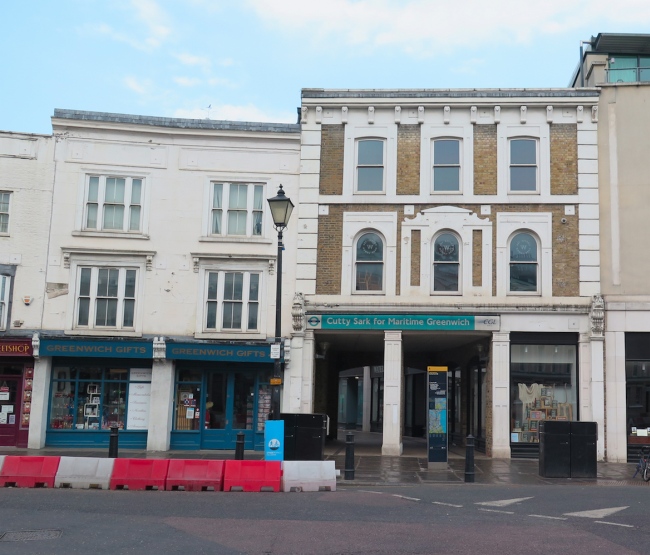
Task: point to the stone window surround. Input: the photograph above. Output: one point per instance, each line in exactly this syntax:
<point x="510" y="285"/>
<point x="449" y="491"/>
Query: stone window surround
<point x="539" y="224"/>
<point x="463" y="133"/>
<point x="99" y="260"/>
<point x="261" y="265"/>
<point x="356" y="224"/>
<point x="85" y="174"/>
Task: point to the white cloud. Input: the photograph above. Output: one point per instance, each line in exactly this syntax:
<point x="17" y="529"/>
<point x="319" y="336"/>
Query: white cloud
<point x="187" y="81"/>
<point x="140" y="86"/>
<point x="469" y="67"/>
<point x="191" y="60"/>
<point x="229" y="112"/>
<point x="429" y="27"/>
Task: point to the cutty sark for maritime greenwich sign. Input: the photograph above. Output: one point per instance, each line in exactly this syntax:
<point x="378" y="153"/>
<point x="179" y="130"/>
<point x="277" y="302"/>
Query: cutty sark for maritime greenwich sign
<point x="419" y="322"/>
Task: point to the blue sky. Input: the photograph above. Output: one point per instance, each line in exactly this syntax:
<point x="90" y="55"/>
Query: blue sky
<point x="248" y="59"/>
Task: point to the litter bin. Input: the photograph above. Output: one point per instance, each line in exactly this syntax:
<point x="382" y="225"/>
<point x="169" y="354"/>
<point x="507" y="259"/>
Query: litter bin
<point x="555" y="449"/>
<point x="304" y="436"/>
<point x="584" y="436"/>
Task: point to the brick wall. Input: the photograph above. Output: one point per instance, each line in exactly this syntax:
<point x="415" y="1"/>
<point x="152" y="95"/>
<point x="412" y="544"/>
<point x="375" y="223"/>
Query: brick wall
<point x="564" y="159"/>
<point x="408" y="160"/>
<point x="477" y="258"/>
<point x="330" y="241"/>
<point x="485" y="159"/>
<point x="566" y="263"/>
<point x="416" y="246"/>
<point x="331" y="162"/>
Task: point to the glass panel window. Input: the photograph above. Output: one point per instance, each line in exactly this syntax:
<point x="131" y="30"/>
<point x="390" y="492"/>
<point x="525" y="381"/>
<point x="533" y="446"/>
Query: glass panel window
<point x="232" y="301"/>
<point x="113" y="203"/>
<point x="542" y="387"/>
<point x="89" y="398"/>
<point x="369" y="264"/>
<point x="523" y="165"/>
<point x="5" y="283"/>
<point x="106" y="297"/>
<point x="4" y="212"/>
<point x="370" y="165"/>
<point x="524" y="267"/>
<point x="446" y="165"/>
<point x="446" y="263"/>
<point x="623" y="69"/>
<point x="245" y="209"/>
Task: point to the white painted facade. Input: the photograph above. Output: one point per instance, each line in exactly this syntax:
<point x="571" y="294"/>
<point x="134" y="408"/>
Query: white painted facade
<point x="170" y="168"/>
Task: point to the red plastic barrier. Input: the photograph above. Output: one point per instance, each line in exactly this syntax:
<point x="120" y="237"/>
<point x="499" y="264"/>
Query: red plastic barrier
<point x="194" y="475"/>
<point x="139" y="474"/>
<point x="29" y="472"/>
<point x="252" y="476"/>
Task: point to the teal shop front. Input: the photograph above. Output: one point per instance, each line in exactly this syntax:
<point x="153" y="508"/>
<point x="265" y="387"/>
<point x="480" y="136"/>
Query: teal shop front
<point x="96" y="385"/>
<point x="219" y="392"/>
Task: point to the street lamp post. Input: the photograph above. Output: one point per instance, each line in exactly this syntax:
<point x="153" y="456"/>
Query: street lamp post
<point x="281" y="208"/>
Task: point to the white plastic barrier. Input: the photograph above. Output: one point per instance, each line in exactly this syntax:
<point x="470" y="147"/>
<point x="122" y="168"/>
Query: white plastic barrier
<point x="308" y="476"/>
<point x="84" y="473"/>
<point x="2" y="461"/>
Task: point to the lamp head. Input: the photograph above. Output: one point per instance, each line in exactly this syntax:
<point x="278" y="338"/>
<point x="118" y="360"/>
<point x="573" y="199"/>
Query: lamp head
<point x="281" y="208"/>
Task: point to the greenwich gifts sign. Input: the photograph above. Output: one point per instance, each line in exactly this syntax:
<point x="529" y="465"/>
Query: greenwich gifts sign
<point x="416" y="322"/>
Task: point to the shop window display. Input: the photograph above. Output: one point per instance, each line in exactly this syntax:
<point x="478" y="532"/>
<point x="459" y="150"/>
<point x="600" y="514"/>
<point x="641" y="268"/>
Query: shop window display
<point x="542" y="387"/>
<point x="89" y="398"/>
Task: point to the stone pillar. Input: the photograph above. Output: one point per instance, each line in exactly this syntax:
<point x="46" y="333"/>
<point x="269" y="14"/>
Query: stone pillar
<point x="393" y="393"/>
<point x="616" y="411"/>
<point x="307" y="367"/>
<point x="367" y="399"/>
<point x="40" y="403"/>
<point x="592" y="387"/>
<point x="501" y="395"/>
<point x="161" y="407"/>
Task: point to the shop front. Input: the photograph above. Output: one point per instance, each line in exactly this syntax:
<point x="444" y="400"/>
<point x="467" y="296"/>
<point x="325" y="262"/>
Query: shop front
<point x="94" y="386"/>
<point x="637" y="386"/>
<point x="220" y="391"/>
<point x="543" y="386"/>
<point x="16" y="378"/>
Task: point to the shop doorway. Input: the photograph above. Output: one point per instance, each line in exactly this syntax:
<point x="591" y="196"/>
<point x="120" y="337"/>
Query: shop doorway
<point x="229" y="405"/>
<point x="10" y="402"/>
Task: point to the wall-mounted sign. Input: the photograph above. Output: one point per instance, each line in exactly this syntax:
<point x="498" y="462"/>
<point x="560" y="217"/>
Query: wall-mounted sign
<point x="418" y="322"/>
<point x="16" y="348"/>
<point x="139" y="399"/>
<point x="106" y="349"/>
<point x="229" y="353"/>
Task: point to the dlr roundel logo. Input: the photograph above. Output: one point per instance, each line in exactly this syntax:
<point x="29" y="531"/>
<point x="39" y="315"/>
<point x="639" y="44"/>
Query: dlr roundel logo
<point x="274" y="444"/>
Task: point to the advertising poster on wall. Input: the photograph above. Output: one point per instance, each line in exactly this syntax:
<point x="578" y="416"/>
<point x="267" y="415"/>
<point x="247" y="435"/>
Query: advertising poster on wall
<point x="139" y="399"/>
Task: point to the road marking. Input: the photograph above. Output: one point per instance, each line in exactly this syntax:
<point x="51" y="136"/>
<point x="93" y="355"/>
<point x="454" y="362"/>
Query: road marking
<point x="549" y="517"/>
<point x="446" y="504"/>
<point x="614" y="524"/>
<point x="405" y="497"/>
<point x="495" y="511"/>
<point x="503" y="502"/>
<point x="598" y="513"/>
<point x="368" y="491"/>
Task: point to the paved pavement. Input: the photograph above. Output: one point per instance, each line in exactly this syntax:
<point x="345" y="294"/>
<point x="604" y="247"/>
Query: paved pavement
<point x="411" y="468"/>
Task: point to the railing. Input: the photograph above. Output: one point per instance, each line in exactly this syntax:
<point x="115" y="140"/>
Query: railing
<point x="628" y="75"/>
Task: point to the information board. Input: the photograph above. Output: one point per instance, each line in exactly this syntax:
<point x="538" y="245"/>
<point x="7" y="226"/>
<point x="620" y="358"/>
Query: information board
<point x="437" y="415"/>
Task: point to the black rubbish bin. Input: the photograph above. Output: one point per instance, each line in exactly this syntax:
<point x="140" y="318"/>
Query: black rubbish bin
<point x="554" y="449"/>
<point x="304" y="436"/>
<point x="584" y="436"/>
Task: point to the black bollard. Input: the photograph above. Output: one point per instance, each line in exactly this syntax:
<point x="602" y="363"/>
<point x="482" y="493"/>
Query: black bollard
<point x="349" y="457"/>
<point x="469" y="460"/>
<point x="112" y="443"/>
<point x="239" y="447"/>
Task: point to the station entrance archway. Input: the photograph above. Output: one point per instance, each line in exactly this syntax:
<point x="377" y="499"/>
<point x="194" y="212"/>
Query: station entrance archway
<point x="349" y="381"/>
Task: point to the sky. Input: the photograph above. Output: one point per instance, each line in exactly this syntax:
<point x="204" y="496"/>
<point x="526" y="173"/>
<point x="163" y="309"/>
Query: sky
<point x="247" y="60"/>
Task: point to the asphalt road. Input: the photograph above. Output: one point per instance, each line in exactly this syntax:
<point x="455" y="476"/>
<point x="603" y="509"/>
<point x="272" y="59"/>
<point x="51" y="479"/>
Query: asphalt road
<point x="430" y="519"/>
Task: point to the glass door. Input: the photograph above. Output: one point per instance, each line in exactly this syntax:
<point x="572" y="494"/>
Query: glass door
<point x="228" y="406"/>
<point x="10" y="402"/>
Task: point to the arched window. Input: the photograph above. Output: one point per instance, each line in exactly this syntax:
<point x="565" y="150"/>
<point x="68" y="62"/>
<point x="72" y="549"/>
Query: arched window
<point x="446" y="264"/>
<point x="524" y="265"/>
<point x="369" y="263"/>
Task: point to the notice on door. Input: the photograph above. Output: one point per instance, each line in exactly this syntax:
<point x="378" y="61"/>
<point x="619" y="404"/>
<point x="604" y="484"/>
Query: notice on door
<point x="139" y="401"/>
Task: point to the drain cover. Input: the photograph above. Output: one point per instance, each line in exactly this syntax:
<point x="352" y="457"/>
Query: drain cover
<point x="26" y="535"/>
